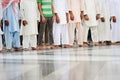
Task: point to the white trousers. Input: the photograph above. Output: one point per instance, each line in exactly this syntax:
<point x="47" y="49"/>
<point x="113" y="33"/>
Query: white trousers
<point x="1" y="45"/>
<point x="101" y="32"/>
<point x="29" y="41"/>
<point x="79" y="33"/>
<point x="60" y="34"/>
<point x="94" y="33"/>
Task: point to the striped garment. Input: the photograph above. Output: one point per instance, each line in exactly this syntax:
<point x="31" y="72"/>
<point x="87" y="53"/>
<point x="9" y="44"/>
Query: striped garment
<point x="46" y="7"/>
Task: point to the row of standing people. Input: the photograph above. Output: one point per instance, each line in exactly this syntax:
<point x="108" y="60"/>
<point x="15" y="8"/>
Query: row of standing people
<point x="61" y="18"/>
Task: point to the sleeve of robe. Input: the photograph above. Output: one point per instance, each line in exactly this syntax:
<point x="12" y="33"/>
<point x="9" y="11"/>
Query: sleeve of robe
<point x="5" y="14"/>
<point x="55" y="6"/>
<point x="22" y="10"/>
<point x="97" y="5"/>
<point x="82" y="5"/>
<point x="85" y="6"/>
<point x="111" y="6"/>
<point x="67" y="7"/>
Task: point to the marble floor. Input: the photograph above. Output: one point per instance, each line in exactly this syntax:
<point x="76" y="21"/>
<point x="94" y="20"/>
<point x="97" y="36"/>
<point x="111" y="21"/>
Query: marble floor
<point x="90" y="63"/>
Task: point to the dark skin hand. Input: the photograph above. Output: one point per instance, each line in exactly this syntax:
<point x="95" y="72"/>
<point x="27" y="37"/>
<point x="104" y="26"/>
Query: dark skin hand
<point x="97" y="16"/>
<point x="114" y="19"/>
<point x="102" y="19"/>
<point x="82" y="15"/>
<point x="24" y="22"/>
<point x="57" y="18"/>
<point x="71" y="15"/>
<point x="86" y="17"/>
<point x="6" y="23"/>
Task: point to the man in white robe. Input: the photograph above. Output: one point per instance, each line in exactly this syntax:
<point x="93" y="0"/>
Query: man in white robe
<point x="60" y="30"/>
<point x="29" y="29"/>
<point x="104" y="28"/>
<point x="91" y="15"/>
<point x="75" y="11"/>
<point x="114" y="6"/>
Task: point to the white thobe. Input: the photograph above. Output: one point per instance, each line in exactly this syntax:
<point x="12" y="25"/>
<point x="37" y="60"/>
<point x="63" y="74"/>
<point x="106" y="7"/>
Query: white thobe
<point x="114" y="6"/>
<point x="29" y="13"/>
<point x="76" y="6"/>
<point x="105" y="32"/>
<point x="60" y="30"/>
<point x="91" y="9"/>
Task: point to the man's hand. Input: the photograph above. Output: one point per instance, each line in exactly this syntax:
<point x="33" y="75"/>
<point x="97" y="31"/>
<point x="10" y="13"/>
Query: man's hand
<point x="82" y="15"/>
<point x="71" y="15"/>
<point x="25" y="22"/>
<point x="6" y="23"/>
<point x="86" y="17"/>
<point x="97" y="16"/>
<point x="114" y="19"/>
<point x="57" y="19"/>
<point x="102" y="19"/>
<point x="43" y="19"/>
<point x="67" y="17"/>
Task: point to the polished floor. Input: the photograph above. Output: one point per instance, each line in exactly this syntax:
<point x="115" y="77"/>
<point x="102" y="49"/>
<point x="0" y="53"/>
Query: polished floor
<point x="90" y="63"/>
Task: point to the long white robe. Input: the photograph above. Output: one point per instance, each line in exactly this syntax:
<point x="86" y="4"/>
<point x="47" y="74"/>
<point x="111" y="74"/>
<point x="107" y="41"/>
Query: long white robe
<point x="29" y="13"/>
<point x="105" y="26"/>
<point x="114" y="6"/>
<point x="76" y="6"/>
<point x="91" y="8"/>
<point x="60" y="30"/>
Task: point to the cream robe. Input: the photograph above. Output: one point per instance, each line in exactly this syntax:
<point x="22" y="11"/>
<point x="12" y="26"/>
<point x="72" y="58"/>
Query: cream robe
<point x="29" y="13"/>
<point x="60" y="30"/>
<point x="91" y="8"/>
<point x="76" y="6"/>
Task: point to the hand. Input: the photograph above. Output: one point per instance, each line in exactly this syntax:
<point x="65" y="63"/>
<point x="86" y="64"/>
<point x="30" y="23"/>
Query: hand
<point x="57" y="19"/>
<point x="71" y="16"/>
<point x="86" y="17"/>
<point x="114" y="19"/>
<point x="67" y="17"/>
<point x="25" y="22"/>
<point x="97" y="16"/>
<point x="43" y="19"/>
<point x="82" y="15"/>
<point x="6" y="23"/>
<point x="102" y="19"/>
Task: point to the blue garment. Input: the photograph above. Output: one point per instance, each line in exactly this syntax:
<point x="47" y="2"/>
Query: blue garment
<point x="11" y="32"/>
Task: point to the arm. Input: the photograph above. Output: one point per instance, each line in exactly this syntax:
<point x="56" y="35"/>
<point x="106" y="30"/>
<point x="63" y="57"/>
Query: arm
<point x="41" y="12"/>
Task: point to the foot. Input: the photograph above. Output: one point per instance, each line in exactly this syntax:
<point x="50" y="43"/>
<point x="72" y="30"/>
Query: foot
<point x="52" y="47"/>
<point x="26" y="49"/>
<point x="80" y="45"/>
<point x="33" y="48"/>
<point x="40" y="48"/>
<point x="85" y="44"/>
<point x="96" y="44"/>
<point x="17" y="49"/>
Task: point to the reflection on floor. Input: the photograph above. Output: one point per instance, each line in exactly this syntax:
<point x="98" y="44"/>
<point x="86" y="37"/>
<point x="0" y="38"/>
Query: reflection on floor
<point x="90" y="63"/>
